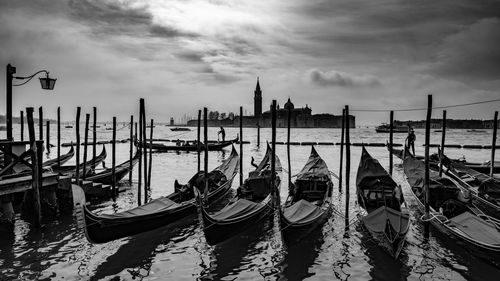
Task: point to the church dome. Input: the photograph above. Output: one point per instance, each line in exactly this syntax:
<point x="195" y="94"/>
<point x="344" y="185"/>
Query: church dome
<point x="289" y="105"/>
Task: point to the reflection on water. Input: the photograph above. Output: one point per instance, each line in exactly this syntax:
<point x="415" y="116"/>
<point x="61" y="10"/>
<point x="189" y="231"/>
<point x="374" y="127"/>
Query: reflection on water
<point x="58" y="251"/>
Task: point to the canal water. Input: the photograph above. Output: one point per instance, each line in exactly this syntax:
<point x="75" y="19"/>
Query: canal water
<point x="59" y="251"/>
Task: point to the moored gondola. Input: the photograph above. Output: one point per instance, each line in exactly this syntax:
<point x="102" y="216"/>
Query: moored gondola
<point x="158" y="212"/>
<point x="89" y="165"/>
<point x="253" y="202"/>
<point x="309" y="204"/>
<point x="188" y="146"/>
<point x="121" y="170"/>
<point x="450" y="212"/>
<point x="384" y="212"/>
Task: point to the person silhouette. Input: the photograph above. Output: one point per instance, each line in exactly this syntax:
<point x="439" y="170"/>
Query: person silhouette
<point x="223" y="133"/>
<point x="410" y="140"/>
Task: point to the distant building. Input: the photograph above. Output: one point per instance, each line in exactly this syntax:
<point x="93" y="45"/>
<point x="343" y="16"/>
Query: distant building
<point x="300" y="117"/>
<point x="172" y="121"/>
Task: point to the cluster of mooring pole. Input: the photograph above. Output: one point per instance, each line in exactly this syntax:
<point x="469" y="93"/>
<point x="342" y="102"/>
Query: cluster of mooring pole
<point x="198" y="140"/>
<point x="205" y="142"/>
<point x="347" y="166"/>
<point x="426" y="178"/>
<point x="443" y="139"/>
<point x="493" y="143"/>
<point x="142" y="146"/>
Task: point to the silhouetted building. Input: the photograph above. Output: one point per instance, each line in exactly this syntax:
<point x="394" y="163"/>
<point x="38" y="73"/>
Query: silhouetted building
<point x="257" y="100"/>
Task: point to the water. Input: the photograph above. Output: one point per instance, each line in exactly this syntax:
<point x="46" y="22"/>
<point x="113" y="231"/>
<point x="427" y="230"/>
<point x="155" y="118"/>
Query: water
<point x="58" y="251"/>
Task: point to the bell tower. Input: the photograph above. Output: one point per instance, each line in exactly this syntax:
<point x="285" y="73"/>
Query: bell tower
<point x="257" y="107"/>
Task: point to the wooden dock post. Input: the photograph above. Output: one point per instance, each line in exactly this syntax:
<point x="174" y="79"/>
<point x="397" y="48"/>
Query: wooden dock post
<point x="426" y="179"/>
<point x="205" y="141"/>
<point x="258" y="134"/>
<point x="131" y="149"/>
<point x="138" y="133"/>
<point x="113" y="160"/>
<point x="85" y="143"/>
<point x="391" y="139"/>
<point x="47" y="137"/>
<point x="22" y="125"/>
<point x="241" y="145"/>
<point x="342" y="142"/>
<point x="289" y="118"/>
<point x="36" y="169"/>
<point x="443" y="137"/>
<point x="494" y="142"/>
<point x="58" y="136"/>
<point x="40" y="123"/>
<point x="145" y="150"/>
<point x="199" y="139"/>
<point x="273" y="154"/>
<point x="347" y="166"/>
<point x="150" y="153"/>
<point x="94" y="137"/>
<point x="77" y="125"/>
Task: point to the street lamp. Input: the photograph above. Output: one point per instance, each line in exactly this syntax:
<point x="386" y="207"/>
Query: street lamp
<point x="46" y="82"/>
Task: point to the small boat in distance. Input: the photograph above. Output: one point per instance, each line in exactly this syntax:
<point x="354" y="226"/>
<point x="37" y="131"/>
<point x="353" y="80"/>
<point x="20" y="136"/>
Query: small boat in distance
<point x="476" y="131"/>
<point x="385" y="128"/>
<point x="176" y="129"/>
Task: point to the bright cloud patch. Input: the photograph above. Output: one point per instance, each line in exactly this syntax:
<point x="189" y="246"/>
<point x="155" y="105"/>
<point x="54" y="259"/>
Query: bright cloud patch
<point x="340" y="79"/>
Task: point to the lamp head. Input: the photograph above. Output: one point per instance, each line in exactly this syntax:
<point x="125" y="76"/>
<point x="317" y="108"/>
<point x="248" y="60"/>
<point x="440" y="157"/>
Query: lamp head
<point x="47" y="83"/>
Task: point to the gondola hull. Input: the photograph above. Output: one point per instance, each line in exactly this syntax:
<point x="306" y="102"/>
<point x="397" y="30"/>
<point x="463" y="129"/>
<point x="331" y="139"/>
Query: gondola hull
<point x="158" y="147"/>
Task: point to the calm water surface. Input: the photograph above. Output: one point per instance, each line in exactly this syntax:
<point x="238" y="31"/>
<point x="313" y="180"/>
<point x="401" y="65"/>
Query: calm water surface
<point x="58" y="251"/>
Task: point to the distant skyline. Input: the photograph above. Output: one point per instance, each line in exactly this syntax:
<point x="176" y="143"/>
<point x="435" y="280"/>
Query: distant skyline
<point x="183" y="55"/>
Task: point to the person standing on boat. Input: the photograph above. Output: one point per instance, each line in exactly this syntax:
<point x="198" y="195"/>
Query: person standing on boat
<point x="410" y="140"/>
<point x="223" y="133"/>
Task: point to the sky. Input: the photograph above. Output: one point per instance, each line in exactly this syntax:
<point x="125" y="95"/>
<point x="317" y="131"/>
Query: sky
<point x="183" y="55"/>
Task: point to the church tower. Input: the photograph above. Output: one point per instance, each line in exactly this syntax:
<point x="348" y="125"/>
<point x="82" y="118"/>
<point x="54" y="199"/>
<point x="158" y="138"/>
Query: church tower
<point x="257" y="107"/>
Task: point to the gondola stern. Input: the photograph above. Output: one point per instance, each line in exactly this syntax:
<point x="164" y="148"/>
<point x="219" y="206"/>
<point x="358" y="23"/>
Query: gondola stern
<point x="79" y="209"/>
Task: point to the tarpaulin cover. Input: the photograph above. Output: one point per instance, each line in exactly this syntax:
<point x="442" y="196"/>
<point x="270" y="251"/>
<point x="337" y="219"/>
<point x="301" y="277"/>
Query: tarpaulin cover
<point x="238" y="208"/>
<point x="476" y="228"/>
<point x="156" y="205"/>
<point x="371" y="175"/>
<point x="415" y="172"/>
<point x="490" y="187"/>
<point x="315" y="168"/>
<point x="377" y="220"/>
<point x="302" y="211"/>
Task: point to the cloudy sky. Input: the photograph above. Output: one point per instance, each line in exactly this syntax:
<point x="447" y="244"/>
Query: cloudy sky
<point x="182" y="55"/>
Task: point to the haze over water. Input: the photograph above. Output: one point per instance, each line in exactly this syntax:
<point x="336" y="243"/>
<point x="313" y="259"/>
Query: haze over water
<point x="59" y="251"/>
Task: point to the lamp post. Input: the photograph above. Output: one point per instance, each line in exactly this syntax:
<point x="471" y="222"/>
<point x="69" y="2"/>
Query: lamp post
<point x="46" y="82"/>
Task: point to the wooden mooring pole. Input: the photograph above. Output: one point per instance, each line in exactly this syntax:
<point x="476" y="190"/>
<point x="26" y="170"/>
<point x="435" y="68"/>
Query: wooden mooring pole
<point x="391" y="139"/>
<point x="150" y="153"/>
<point x="275" y="192"/>
<point x="347" y="166"/>
<point x="113" y="161"/>
<point x="289" y="118"/>
<point x="494" y="143"/>
<point x="131" y="151"/>
<point x="426" y="178"/>
<point x="85" y="143"/>
<point x="47" y="137"/>
<point x="58" y="136"/>
<point x="205" y="141"/>
<point x="36" y="169"/>
<point x="94" y="136"/>
<point x="22" y="125"/>
<point x="77" y="174"/>
<point x="199" y="140"/>
<point x="40" y="123"/>
<point x="258" y="134"/>
<point x="145" y="150"/>
<point x="138" y="133"/>
<point x="342" y="143"/>
<point x="241" y="145"/>
<point x="443" y="138"/>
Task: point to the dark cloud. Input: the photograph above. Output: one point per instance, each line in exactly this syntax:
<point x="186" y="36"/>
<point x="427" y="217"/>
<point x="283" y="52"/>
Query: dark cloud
<point x="472" y="53"/>
<point x="340" y="79"/>
<point x="168" y="32"/>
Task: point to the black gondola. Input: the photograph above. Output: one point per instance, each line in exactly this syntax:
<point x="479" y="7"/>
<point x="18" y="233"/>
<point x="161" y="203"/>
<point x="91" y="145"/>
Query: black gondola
<point x="188" y="146"/>
<point x="253" y="202"/>
<point x="158" y="212"/>
<point x="89" y="165"/>
<point x="309" y="204"/>
<point x="121" y="170"/>
<point x="450" y="212"/>
<point x="62" y="159"/>
<point x="384" y="212"/>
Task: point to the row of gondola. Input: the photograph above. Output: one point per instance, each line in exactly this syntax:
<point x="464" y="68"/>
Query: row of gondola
<point x="384" y="211"/>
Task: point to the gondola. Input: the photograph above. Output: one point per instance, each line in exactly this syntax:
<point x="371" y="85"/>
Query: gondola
<point x="485" y="189"/>
<point x="158" y="212"/>
<point x="186" y="146"/>
<point x="309" y="203"/>
<point x="62" y="159"/>
<point x="253" y="202"/>
<point x="384" y="212"/>
<point x="434" y="160"/>
<point x="121" y="170"/>
<point x="179" y="129"/>
<point x="450" y="212"/>
<point x="89" y="165"/>
<point x="385" y="128"/>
